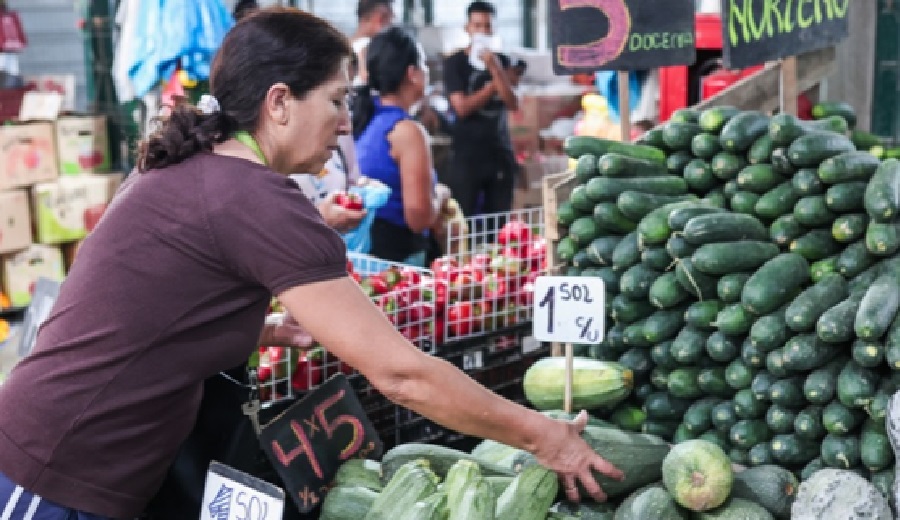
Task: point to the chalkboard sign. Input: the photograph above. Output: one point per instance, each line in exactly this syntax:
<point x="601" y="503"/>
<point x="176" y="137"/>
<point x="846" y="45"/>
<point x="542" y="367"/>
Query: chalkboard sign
<point x="592" y="35"/>
<point x="756" y="31"/>
<point x="311" y="439"/>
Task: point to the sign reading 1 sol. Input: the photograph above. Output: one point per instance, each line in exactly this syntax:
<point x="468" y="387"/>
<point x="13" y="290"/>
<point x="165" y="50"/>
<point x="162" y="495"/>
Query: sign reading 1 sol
<point x="591" y="35"/>
<point x="569" y="309"/>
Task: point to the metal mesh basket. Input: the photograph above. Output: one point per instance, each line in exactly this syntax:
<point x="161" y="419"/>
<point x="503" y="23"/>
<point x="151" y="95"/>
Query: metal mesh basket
<point x="488" y="272"/>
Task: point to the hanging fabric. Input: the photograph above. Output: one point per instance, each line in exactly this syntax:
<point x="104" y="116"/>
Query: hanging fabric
<point x="12" y="36"/>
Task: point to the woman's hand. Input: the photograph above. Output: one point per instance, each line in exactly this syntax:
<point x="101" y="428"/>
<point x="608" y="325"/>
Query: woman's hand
<point x="565" y="452"/>
<point x="282" y="330"/>
<point x="338" y="217"/>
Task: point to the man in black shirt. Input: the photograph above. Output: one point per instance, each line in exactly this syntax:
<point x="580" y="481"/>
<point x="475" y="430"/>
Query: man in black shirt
<point x="483" y="163"/>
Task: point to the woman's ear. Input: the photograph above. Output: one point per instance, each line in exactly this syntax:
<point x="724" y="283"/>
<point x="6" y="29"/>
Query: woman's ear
<point x="275" y="103"/>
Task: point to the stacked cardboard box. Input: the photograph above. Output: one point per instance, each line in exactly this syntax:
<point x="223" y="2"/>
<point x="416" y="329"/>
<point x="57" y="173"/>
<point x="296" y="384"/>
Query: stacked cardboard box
<point x="54" y="185"/>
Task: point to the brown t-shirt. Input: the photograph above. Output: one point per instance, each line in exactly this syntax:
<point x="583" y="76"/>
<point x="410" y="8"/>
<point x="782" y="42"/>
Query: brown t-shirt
<point x="170" y="288"/>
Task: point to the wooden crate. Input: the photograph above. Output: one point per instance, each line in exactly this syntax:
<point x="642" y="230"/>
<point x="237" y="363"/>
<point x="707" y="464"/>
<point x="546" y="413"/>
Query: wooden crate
<point x="557" y="188"/>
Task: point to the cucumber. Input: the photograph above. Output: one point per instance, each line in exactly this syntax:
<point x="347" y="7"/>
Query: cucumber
<point x="722" y="227"/>
<point x="734" y="320"/>
<point x="758" y="178"/>
<point x="582" y="260"/>
<point x="702" y="315"/>
<point x="749" y="432"/>
<point x="716" y="197"/>
<point x="627" y="253"/>
<point x="713" y="119"/>
<point x="846" y="197"/>
<point x="663" y="325"/>
<point x="808" y="423"/>
<point x="583" y="231"/>
<point x="610" y="219"/>
<point x="661" y="355"/>
<point x="656" y="258"/>
<point x="722" y="348"/>
<point x="698" y="417"/>
<point x="580" y="200"/>
<point x="713" y="382"/>
<point x="653" y="229"/>
<point x="729" y="188"/>
<point x="820" y="385"/>
<point x="730" y="286"/>
<point x="812" y="211"/>
<point x="678" y="247"/>
<point x="815" y="245"/>
<point x="773" y="284"/>
<point x="739" y="376"/>
<point x="771" y="331"/>
<point x="695" y="281"/>
<point x="806" y="352"/>
<point x="683" y="383"/>
<point x="600" y="250"/>
<point x="811" y="149"/>
<point x="566" y="249"/>
<point x="780" y="419"/>
<point x="742" y="130"/>
<point x="855" y="259"/>
<point x="699" y="176"/>
<point x="836" y="325"/>
<point x="744" y="202"/>
<point x="586" y="168"/>
<point x="869" y="354"/>
<point x="610" y="277"/>
<point x="761" y="150"/>
<point x="775" y="363"/>
<point x="607" y="189"/>
<point x="678" y="135"/>
<point x="752" y="356"/>
<point x="566" y="213"/>
<point x="806" y="182"/>
<point x="733" y="257"/>
<point x="785" y="128"/>
<point x="788" y="393"/>
<point x="882" y="239"/>
<point x="857" y="385"/>
<point x="803" y="313"/>
<point x="618" y="165"/>
<point x="824" y="109"/>
<point x="636" y="281"/>
<point x="848" y="167"/>
<point x="688" y="346"/>
<point x="864" y="140"/>
<point x="705" y="145"/>
<point x="726" y="166"/>
<point x="849" y="228"/>
<point x="790" y="450"/>
<point x="785" y="229"/>
<point x="678" y="218"/>
<point x="624" y="310"/>
<point x="676" y="162"/>
<point x="724" y="416"/>
<point x="652" y="138"/>
<point x="577" y="145"/>
<point x="820" y="268"/>
<point x="781" y="164"/>
<point x="840" y="451"/>
<point x="666" y="292"/>
<point x="660" y="406"/>
<point x="635" y="204"/>
<point x="876" y="453"/>
<point x="877" y="308"/>
<point x="777" y="202"/>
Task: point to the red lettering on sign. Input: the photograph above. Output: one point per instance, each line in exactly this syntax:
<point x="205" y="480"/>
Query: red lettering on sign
<point x="330" y="426"/>
<point x="598" y="52"/>
<point x="303" y="448"/>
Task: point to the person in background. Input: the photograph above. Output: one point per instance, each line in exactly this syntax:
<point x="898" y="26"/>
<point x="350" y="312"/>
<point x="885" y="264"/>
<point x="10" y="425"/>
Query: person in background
<point x="483" y="164"/>
<point x="174" y="283"/>
<point x="243" y="8"/>
<point x="394" y="149"/>
<point x="373" y="17"/>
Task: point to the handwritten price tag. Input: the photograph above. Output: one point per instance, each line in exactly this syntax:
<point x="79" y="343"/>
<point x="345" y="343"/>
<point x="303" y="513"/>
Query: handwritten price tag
<point x="569" y="309"/>
<point x="311" y="439"/>
<point x="233" y="495"/>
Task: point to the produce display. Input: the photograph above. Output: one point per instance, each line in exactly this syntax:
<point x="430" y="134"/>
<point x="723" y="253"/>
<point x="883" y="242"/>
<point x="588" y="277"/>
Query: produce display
<point x="752" y="279"/>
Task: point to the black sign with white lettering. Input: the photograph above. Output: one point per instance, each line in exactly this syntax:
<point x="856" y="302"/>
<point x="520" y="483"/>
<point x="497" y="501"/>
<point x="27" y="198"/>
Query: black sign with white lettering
<point x="311" y="439"/>
<point x="756" y="31"/>
<point x="592" y="35"/>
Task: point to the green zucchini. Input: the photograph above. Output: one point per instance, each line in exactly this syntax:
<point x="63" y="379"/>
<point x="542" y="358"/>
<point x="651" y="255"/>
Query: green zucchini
<point x="774" y="283"/>
<point x="804" y="311"/>
<point x="811" y="149"/>
<point x="529" y="495"/>
<point x="846" y="197"/>
<point x="619" y="165"/>
<point x="806" y="183"/>
<point x="733" y="257"/>
<point x="848" y="167"/>
<point x="576" y="146"/>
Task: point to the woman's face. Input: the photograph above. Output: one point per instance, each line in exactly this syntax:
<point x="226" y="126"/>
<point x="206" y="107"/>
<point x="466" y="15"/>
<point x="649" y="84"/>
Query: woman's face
<point x="316" y="121"/>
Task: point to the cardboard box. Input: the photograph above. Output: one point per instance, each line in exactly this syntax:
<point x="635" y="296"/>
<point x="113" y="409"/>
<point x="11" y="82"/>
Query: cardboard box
<point x="22" y="270"/>
<point x="524" y="198"/>
<point x="27" y="154"/>
<point x="82" y="144"/>
<point x="66" y="210"/>
<point x="15" y="221"/>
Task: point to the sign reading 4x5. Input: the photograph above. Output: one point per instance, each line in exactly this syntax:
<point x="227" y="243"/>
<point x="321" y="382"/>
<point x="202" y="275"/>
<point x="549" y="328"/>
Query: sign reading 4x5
<point x="592" y="35"/>
<point x="756" y="31"/>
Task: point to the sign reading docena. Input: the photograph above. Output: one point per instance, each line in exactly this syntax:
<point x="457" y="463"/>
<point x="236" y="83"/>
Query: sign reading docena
<point x="756" y="31"/>
<point x="592" y="35"/>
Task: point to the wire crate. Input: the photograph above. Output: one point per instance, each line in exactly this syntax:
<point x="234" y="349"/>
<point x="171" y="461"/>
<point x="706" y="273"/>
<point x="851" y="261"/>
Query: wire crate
<point x="498" y="361"/>
<point x="485" y="282"/>
<point x="404" y="293"/>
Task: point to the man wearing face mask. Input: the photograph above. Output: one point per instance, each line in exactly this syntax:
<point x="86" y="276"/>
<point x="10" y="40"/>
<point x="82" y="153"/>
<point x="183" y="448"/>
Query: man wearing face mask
<point x="479" y="86"/>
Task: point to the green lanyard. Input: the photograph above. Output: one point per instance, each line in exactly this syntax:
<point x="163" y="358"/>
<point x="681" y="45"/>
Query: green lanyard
<point x="247" y="140"/>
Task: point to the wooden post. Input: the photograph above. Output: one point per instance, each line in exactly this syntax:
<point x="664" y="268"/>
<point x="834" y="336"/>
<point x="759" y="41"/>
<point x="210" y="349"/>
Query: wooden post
<point x="789" y="91"/>
<point x="570" y="372"/>
<point x="624" y="106"/>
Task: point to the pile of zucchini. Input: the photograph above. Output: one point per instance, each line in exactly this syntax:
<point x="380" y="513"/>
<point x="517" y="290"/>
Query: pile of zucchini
<point x="752" y="279"/>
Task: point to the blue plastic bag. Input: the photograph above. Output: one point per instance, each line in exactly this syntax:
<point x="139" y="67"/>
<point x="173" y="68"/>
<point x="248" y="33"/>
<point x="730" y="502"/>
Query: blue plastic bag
<point x="374" y="196"/>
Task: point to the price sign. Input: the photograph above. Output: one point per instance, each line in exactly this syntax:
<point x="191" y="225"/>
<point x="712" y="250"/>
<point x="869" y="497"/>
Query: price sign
<point x="233" y="495"/>
<point x="591" y="35"/>
<point x="756" y="31"/>
<point x="311" y="439"/>
<point x="569" y="309"/>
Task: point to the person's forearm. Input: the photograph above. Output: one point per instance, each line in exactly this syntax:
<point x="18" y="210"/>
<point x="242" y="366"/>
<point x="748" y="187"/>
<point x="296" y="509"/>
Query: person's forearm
<point x="476" y="100"/>
<point x="504" y="88"/>
<point x="446" y="395"/>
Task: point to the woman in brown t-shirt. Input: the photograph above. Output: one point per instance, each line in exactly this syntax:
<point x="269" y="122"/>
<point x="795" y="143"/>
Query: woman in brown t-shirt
<point x="174" y="283"/>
